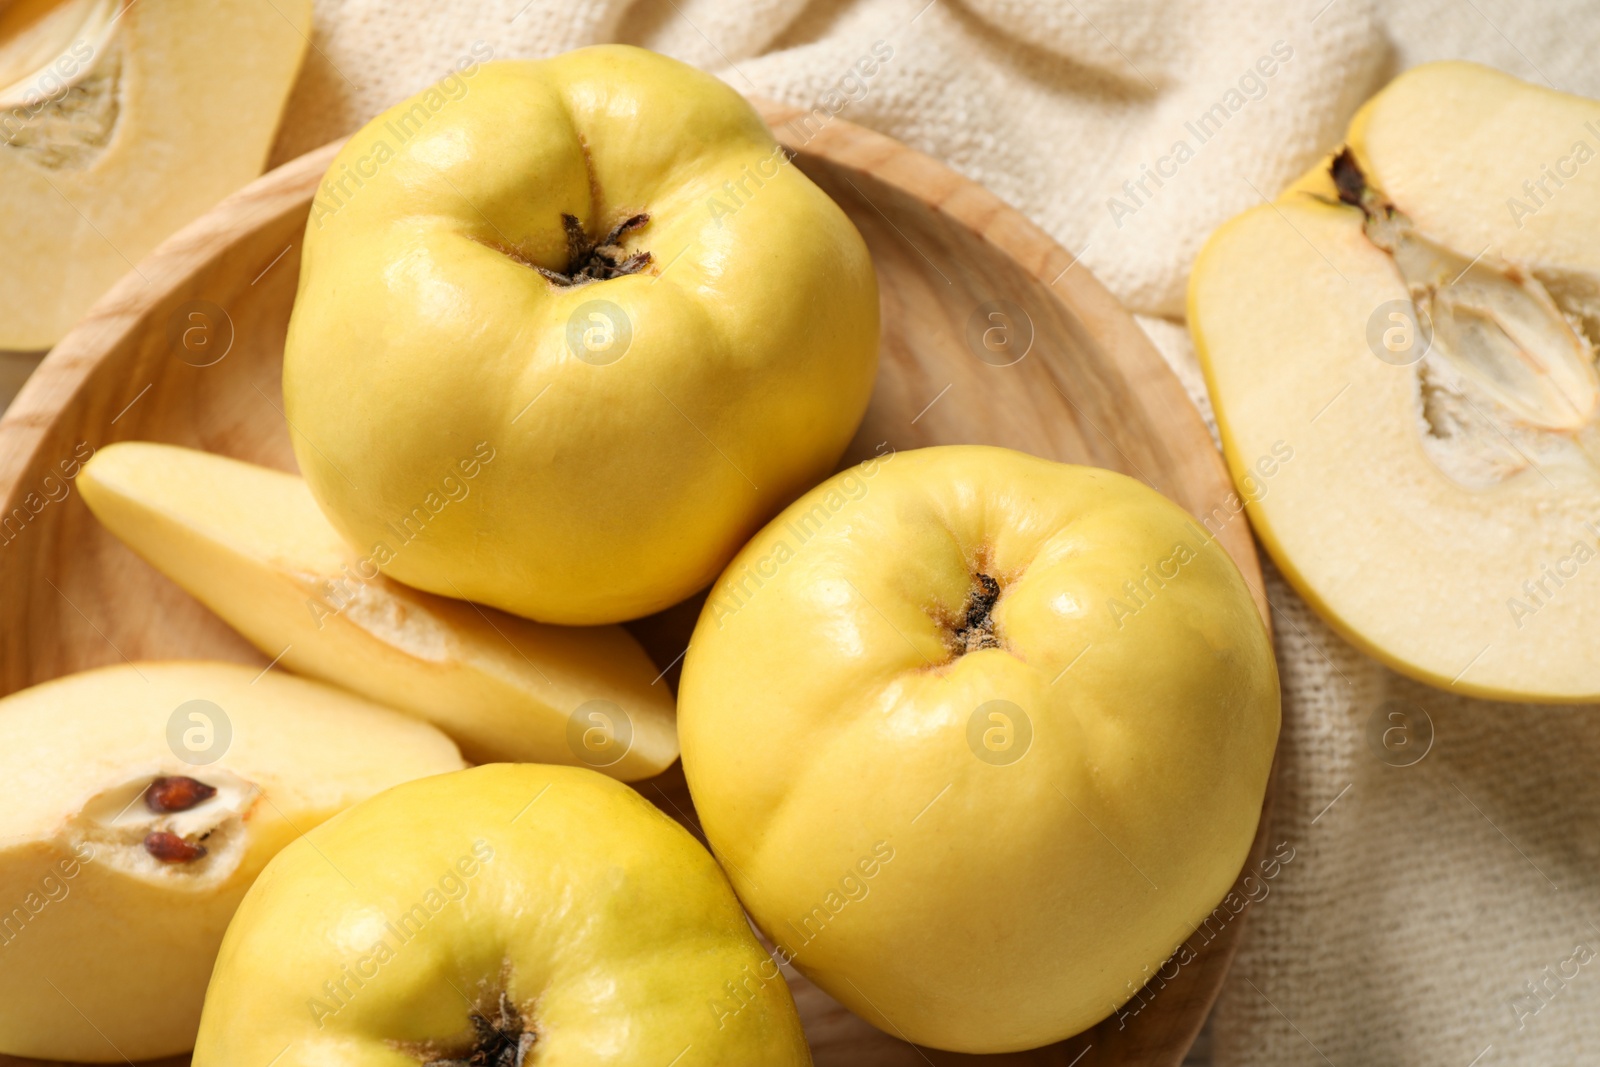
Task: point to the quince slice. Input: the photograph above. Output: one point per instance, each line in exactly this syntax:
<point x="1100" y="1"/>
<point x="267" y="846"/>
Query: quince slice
<point x="120" y="122"/>
<point x="251" y="544"/>
<point x="1401" y="351"/>
<point x="137" y="804"/>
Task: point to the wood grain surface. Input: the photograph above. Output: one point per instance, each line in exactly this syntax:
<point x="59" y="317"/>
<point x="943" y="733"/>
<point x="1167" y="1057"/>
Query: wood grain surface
<point x="992" y="334"/>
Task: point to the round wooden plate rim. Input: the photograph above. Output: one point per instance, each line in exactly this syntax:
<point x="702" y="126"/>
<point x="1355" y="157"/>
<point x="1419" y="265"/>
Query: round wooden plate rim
<point x="65" y="373"/>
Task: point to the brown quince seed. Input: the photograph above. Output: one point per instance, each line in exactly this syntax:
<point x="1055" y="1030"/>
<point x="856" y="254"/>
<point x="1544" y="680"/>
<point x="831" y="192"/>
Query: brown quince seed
<point x="168" y="847"/>
<point x="177" y="794"/>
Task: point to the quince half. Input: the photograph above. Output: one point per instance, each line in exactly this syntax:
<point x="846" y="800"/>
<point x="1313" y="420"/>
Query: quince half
<point x="250" y="544"/>
<point x="505" y="915"/>
<point x="137" y="804"/>
<point x="979" y="738"/>
<point x="1414" y="322"/>
<point x="603" y="266"/>
<point x="120" y="122"/>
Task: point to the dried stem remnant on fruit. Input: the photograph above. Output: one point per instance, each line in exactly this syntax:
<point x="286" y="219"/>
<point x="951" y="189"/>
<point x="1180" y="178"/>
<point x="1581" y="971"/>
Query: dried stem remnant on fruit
<point x="503" y="1041"/>
<point x="168" y="847"/>
<point x="605" y="258"/>
<point x="177" y="793"/>
<point x="977" y="629"/>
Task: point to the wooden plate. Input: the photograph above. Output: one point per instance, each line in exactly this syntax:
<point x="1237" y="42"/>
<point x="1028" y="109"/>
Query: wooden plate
<point x="991" y="334"/>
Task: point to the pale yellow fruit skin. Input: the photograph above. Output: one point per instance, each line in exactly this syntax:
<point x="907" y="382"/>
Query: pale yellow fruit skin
<point x="970" y="905"/>
<point x="112" y="963"/>
<point x="624" y="487"/>
<point x="603" y="921"/>
<point x="250" y="544"/>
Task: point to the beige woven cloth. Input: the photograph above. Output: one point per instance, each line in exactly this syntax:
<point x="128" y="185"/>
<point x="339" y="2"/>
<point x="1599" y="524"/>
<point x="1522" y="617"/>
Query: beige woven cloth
<point x="1442" y="913"/>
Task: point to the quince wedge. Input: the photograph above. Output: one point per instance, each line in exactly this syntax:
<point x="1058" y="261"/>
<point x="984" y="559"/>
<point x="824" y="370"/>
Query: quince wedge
<point x="120" y="122"/>
<point x="980" y="739"/>
<point x="1401" y="353"/>
<point x="504" y="915"/>
<point x="603" y="266"/>
<point x="251" y="544"/>
<point x="137" y="804"/>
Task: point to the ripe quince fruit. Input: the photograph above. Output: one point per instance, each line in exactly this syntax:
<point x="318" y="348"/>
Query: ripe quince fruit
<point x="137" y="804"/>
<point x="979" y="739"/>
<point x="546" y="261"/>
<point x="504" y="915"/>
<point x="1414" y="322"/>
<point x="250" y="544"/>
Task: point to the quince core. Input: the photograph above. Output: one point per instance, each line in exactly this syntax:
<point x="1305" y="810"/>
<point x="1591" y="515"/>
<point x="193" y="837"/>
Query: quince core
<point x="1416" y="319"/>
<point x="137" y="804"/>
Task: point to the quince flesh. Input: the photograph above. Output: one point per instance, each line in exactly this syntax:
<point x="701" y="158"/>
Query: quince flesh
<point x="119" y="123"/>
<point x="1416" y="320"/>
<point x="250" y="544"/>
<point x="979" y="738"/>
<point x="504" y="915"/>
<point x="137" y="804"/>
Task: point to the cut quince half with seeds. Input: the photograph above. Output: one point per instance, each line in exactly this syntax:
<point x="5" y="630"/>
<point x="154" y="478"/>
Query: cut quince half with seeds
<point x="250" y="544"/>
<point x="1414" y="324"/>
<point x="120" y="122"/>
<point x="137" y="804"/>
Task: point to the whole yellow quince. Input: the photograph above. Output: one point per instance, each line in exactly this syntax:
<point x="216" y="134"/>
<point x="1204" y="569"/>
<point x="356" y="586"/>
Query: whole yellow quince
<point x="569" y="331"/>
<point x="509" y="914"/>
<point x="979" y="738"/>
